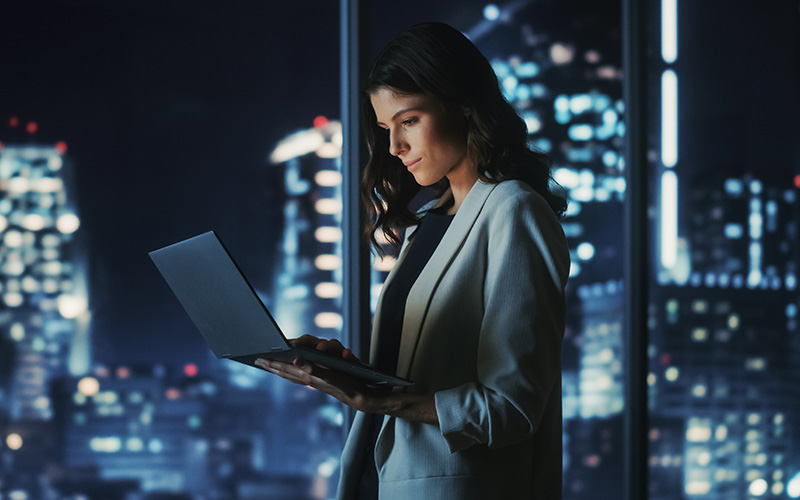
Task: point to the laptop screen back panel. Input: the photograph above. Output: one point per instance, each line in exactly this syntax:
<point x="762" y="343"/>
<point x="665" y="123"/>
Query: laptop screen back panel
<point x="202" y="263"/>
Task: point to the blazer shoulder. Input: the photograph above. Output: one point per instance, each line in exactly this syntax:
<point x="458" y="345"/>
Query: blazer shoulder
<point x="514" y="194"/>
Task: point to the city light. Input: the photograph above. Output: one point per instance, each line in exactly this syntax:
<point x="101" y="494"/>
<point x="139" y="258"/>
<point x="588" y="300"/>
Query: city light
<point x="328" y="290"/>
<point x="669" y="119"/>
<point x="328" y="206"/>
<point x="298" y="144"/>
<point x="561" y="54"/>
<point x="328" y="234"/>
<point x="14" y="441"/>
<point x="18" y="495"/>
<point x="72" y="306"/>
<point x="110" y="444"/>
<point x="328" y="320"/>
<point x="793" y="486"/>
<point x="327" y="262"/>
<point x="669" y="30"/>
<point x="669" y="219"/>
<point x="17" y="332"/>
<point x="68" y="223"/>
<point x="320" y="121"/>
<point x="329" y="150"/>
<point x="88" y="386"/>
<point x="328" y="467"/>
<point x="699" y="487"/>
<point x="33" y="222"/>
<point x="491" y="12"/>
<point x="585" y="251"/>
<point x="328" y="178"/>
<point x="758" y="487"/>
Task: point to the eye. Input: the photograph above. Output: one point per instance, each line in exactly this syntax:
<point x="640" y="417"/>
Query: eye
<point x="410" y="121"/>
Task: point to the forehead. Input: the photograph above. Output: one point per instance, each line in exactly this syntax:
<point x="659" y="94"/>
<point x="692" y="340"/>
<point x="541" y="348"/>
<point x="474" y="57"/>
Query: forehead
<point x="387" y="103"/>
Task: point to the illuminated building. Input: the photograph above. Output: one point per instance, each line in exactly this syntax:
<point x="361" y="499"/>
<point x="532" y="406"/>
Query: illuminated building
<point x="308" y="298"/>
<point x="725" y="354"/>
<point x="308" y="289"/>
<point x="44" y="306"/>
<point x="44" y="310"/>
<point x="136" y="424"/>
<point x="601" y="358"/>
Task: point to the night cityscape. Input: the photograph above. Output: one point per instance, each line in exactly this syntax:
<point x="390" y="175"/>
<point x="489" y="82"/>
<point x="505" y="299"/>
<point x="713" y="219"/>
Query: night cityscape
<point x="127" y="128"/>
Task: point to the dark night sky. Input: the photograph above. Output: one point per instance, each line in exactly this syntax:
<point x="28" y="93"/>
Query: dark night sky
<point x="169" y="110"/>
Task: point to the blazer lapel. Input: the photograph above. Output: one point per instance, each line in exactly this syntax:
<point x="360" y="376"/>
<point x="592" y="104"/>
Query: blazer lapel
<point x="421" y="292"/>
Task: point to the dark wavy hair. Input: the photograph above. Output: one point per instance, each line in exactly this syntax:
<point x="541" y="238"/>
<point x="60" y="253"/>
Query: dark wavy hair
<point x="437" y="60"/>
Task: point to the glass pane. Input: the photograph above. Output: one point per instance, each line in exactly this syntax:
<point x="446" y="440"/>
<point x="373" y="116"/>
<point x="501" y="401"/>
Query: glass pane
<point x="125" y="127"/>
<point x="724" y="398"/>
<point x="560" y="66"/>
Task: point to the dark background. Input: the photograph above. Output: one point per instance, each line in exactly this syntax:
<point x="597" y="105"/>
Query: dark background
<point x="169" y="111"/>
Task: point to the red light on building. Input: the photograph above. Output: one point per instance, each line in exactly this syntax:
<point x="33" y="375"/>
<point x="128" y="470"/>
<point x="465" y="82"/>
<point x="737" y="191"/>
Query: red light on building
<point x="32" y="127"/>
<point x="173" y="394"/>
<point x="320" y="121"/>
<point x="666" y="359"/>
<point x="190" y="370"/>
<point x="1" y="146"/>
<point x="797" y="181"/>
<point x="61" y="147"/>
<point x="13" y="121"/>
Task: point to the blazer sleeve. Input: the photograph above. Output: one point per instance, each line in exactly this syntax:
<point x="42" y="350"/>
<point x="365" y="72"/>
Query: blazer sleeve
<point x="519" y="346"/>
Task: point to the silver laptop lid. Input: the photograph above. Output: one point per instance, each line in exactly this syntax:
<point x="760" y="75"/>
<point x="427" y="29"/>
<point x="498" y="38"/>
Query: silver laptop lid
<point x="232" y="319"/>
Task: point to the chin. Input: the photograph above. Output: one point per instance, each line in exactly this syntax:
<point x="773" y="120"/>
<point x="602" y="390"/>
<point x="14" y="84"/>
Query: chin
<point x="426" y="180"/>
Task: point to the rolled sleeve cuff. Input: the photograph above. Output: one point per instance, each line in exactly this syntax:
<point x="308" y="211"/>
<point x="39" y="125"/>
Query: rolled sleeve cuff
<point x="459" y="420"/>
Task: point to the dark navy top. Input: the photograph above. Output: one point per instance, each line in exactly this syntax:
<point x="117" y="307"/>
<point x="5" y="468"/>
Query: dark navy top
<point x="425" y="240"/>
<point x="393" y="306"/>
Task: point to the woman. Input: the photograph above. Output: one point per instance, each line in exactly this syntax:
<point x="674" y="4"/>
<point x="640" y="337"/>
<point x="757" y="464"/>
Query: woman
<point x="473" y="311"/>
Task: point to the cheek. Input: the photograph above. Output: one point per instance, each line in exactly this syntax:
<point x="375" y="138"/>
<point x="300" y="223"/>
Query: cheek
<point x="454" y="133"/>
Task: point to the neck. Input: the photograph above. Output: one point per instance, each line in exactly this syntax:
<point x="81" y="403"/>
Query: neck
<point x="461" y="181"/>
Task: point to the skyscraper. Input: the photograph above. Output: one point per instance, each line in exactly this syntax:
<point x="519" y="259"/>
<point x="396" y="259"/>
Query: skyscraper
<point x="44" y="310"/>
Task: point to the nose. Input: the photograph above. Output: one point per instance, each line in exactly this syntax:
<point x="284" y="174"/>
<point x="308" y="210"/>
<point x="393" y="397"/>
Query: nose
<point x="397" y="144"/>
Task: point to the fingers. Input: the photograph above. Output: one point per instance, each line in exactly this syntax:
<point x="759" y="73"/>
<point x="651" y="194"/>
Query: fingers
<point x="306" y="340"/>
<point x="348" y="354"/>
<point x="299" y="372"/>
<point x="343" y="387"/>
<point x="331" y="346"/>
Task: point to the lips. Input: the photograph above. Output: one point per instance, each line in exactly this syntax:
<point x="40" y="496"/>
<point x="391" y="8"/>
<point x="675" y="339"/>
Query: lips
<point x="412" y="164"/>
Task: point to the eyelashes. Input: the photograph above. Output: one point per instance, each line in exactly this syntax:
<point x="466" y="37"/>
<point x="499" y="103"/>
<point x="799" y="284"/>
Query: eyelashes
<point x="406" y="122"/>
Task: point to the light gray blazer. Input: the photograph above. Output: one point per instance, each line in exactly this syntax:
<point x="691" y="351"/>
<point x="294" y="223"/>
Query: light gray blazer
<point x="482" y="331"/>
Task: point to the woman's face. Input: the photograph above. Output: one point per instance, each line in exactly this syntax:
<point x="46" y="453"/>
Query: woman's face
<point x="430" y="139"/>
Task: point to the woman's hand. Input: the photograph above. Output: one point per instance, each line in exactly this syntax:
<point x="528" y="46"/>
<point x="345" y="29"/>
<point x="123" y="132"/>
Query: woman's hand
<point x="347" y="389"/>
<point x="350" y="390"/>
<point x="332" y="346"/>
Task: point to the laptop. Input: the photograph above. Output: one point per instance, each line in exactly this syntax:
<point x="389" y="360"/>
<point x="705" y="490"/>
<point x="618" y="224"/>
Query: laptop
<point x="231" y="317"/>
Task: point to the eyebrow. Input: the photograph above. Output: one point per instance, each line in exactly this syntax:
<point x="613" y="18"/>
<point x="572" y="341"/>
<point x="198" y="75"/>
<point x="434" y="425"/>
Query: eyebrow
<point x="405" y="110"/>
